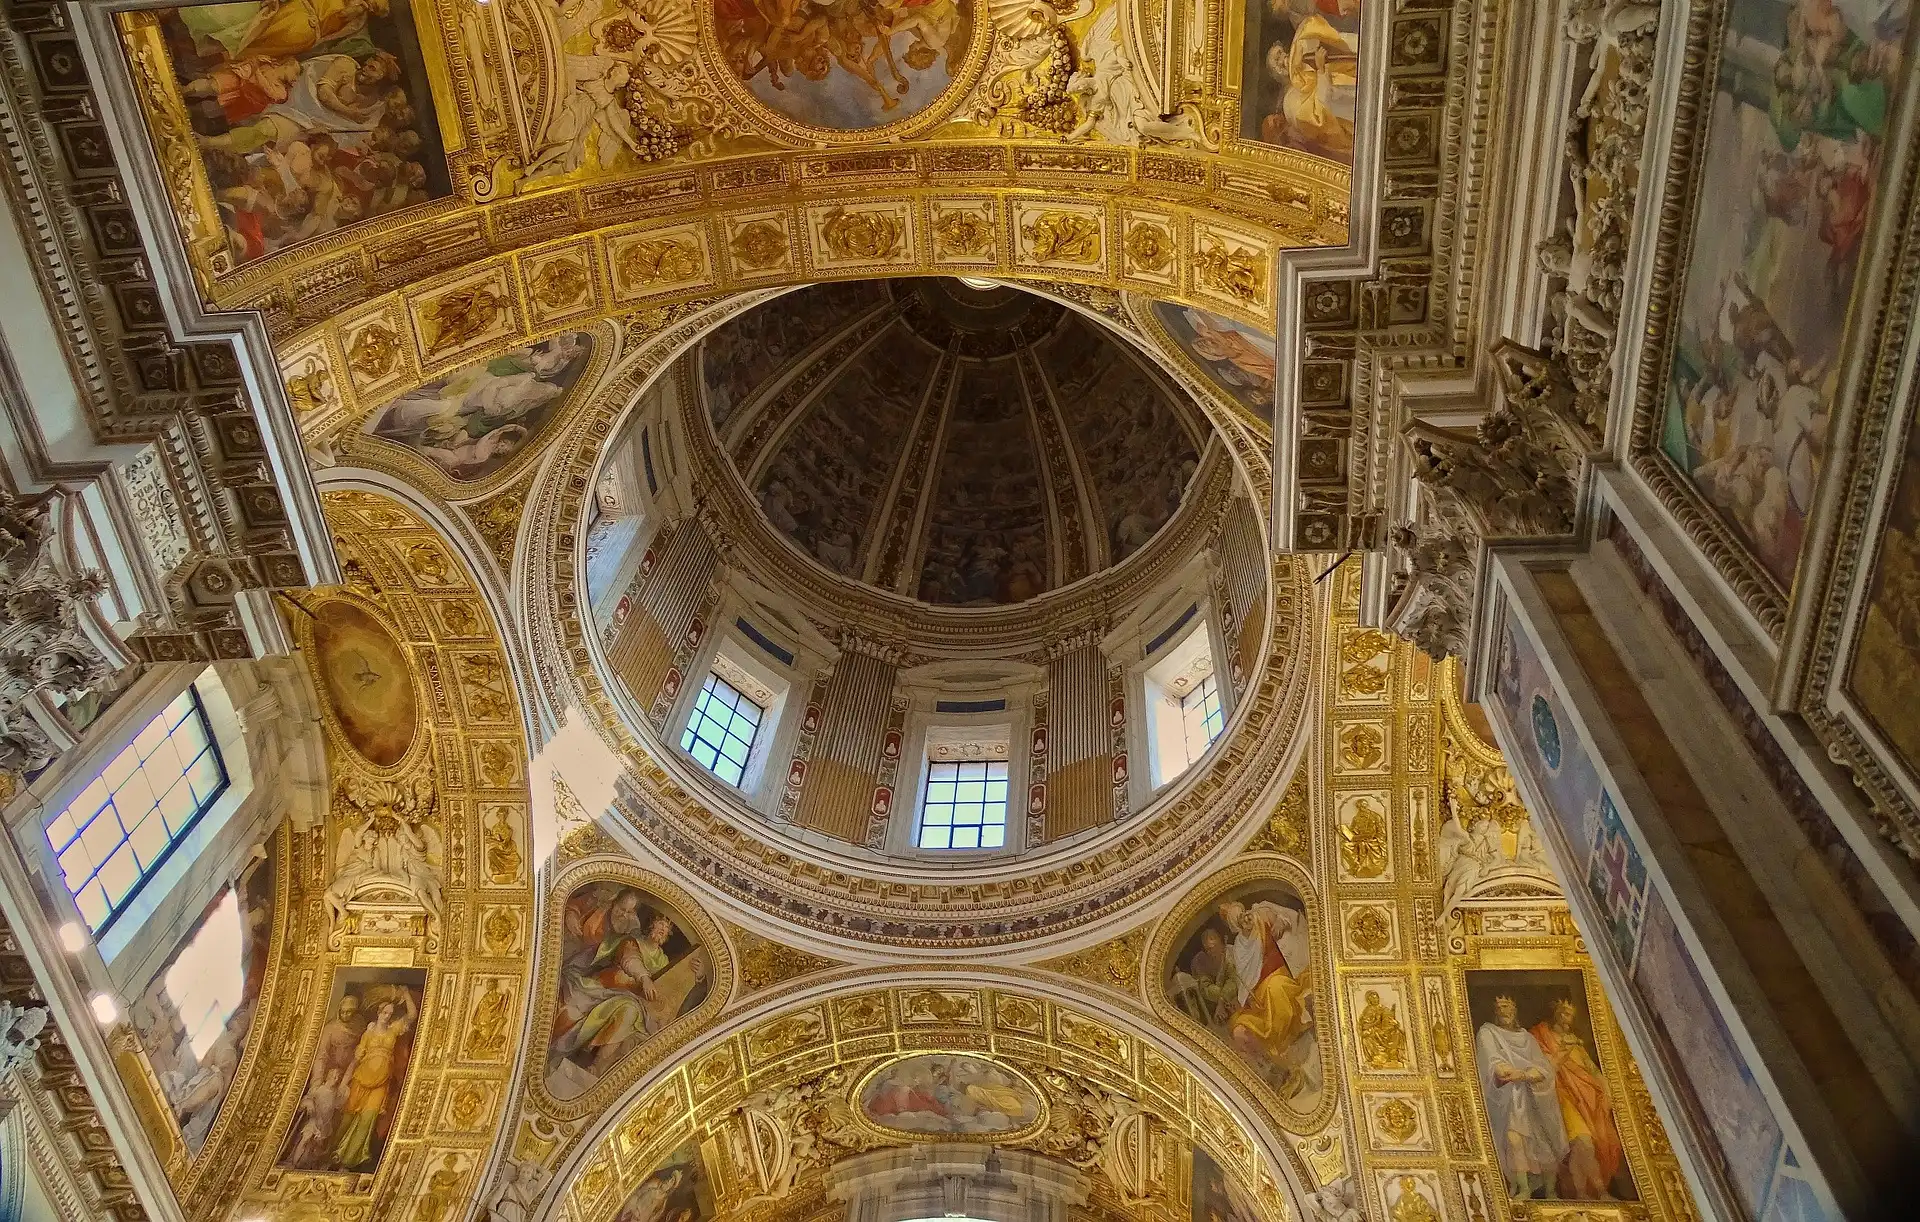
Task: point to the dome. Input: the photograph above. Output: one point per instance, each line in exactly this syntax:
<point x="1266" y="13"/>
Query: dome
<point x="965" y="444"/>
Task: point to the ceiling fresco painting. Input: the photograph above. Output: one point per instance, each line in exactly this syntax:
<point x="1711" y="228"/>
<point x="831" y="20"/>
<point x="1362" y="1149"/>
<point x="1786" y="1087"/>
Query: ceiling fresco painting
<point x="1245" y="974"/>
<point x="1302" y="72"/>
<point x="358" y="1073"/>
<point x="844" y="70"/>
<point x="678" y="1190"/>
<point x="629" y="969"/>
<point x="1535" y="1054"/>
<point x="367" y="681"/>
<point x="1799" y="118"/>
<point x="983" y="387"/>
<point x="308" y="118"/>
<point x="744" y="356"/>
<point x="1236" y="358"/>
<point x="950" y="1096"/>
<point x="472" y="423"/>
<point x="193" y="1069"/>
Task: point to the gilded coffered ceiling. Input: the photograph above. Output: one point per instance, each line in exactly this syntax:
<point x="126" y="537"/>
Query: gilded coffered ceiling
<point x="932" y="350"/>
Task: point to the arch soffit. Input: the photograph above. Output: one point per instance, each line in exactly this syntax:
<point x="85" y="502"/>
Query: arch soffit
<point x="489" y="917"/>
<point x="1031" y="1020"/>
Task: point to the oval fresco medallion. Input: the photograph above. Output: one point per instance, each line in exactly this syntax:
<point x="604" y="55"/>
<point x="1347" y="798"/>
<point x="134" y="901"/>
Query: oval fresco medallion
<point x="368" y="682"/>
<point x="946" y="1094"/>
<point x="846" y="67"/>
<point x="630" y="966"/>
<point x="1242" y="968"/>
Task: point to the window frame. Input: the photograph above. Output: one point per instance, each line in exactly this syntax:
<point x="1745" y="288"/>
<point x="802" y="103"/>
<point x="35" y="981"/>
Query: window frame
<point x="1163" y="742"/>
<point x="697" y="715"/>
<point x="953" y="805"/>
<point x="1212" y="723"/>
<point x="197" y="711"/>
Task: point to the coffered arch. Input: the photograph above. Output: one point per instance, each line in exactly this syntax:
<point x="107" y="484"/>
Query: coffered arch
<point x="794" y="1057"/>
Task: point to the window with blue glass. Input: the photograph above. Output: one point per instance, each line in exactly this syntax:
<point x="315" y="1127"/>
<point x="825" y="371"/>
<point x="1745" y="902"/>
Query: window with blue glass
<point x="720" y="734"/>
<point x="121" y="829"/>
<point x="966" y="806"/>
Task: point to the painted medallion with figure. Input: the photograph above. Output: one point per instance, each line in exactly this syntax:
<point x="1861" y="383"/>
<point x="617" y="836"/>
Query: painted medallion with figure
<point x="629" y="967"/>
<point x="1243" y="969"/>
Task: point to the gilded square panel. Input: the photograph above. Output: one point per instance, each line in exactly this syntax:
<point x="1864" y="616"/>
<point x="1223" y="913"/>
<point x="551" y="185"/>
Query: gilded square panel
<point x="559" y="284"/>
<point x="1397" y="1121"/>
<point x="470" y="314"/>
<point x="1365" y="850"/>
<point x="1382" y="1024"/>
<point x="659" y="260"/>
<point x="757" y="244"/>
<point x="965" y="232"/>
<point x="1060" y="236"/>
<point x="1361" y="748"/>
<point x="854" y="235"/>
<point x="1150" y="248"/>
<point x="1369" y="929"/>
<point x="1232" y="268"/>
<point x="378" y="358"/>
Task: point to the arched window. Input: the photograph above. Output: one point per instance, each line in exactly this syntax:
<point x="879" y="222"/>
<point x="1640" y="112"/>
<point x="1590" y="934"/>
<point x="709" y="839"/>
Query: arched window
<point x="120" y="830"/>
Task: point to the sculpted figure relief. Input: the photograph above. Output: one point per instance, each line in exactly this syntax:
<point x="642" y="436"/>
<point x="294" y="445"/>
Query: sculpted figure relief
<point x="390" y="842"/>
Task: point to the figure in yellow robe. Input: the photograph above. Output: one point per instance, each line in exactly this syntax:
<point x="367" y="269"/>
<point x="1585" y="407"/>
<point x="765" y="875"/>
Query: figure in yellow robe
<point x="1273" y="1012"/>
<point x="1319" y="69"/>
<point x="371" y="1083"/>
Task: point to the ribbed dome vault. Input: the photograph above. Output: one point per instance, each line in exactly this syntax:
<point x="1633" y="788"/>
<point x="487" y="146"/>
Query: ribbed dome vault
<point x="959" y="444"/>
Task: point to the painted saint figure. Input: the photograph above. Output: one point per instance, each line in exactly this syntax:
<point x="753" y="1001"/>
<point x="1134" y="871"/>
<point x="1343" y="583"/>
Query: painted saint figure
<point x="1594" y="1155"/>
<point x="378" y="1063"/>
<point x="619" y="983"/>
<point x="1523" y="1107"/>
<point x="1273" y="1000"/>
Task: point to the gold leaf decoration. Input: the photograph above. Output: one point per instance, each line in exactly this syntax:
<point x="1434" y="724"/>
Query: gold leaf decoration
<point x="1233" y="271"/>
<point x="959" y="234"/>
<point x="1149" y="246"/>
<point x="373" y="352"/>
<point x="1114" y="963"/>
<point x="1286" y="830"/>
<point x="560" y="284"/>
<point x="1063" y="237"/>
<point x="312" y="388"/>
<point x="659" y="261"/>
<point x="867" y="236"/>
<point x="1370" y="930"/>
<point x="765" y="963"/>
<point x="1397" y="1119"/>
<point x="498" y="521"/>
<point x="462" y="316"/>
<point x="759" y="244"/>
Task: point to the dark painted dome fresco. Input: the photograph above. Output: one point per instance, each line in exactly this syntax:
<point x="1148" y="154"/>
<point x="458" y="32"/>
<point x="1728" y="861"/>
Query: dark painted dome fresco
<point x="964" y="444"/>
